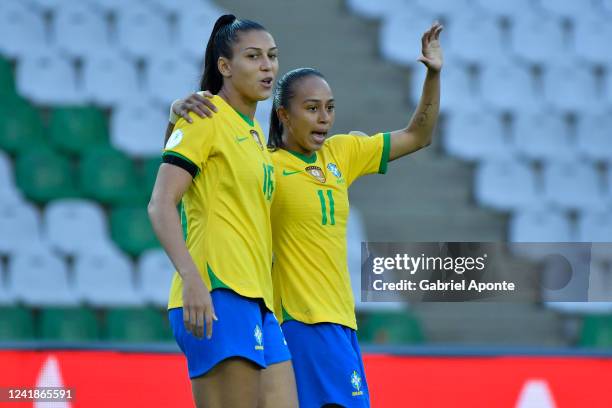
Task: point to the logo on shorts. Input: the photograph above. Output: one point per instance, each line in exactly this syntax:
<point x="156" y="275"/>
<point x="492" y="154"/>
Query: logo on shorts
<point x="356" y="383"/>
<point x="334" y="169"/>
<point x="258" y="338"/>
<point x="316" y="172"/>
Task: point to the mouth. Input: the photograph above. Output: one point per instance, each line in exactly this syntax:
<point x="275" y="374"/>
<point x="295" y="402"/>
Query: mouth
<point x="267" y="82"/>
<point x="319" y="136"/>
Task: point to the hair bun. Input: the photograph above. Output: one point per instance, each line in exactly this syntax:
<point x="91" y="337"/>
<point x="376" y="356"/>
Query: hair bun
<point x="224" y="20"/>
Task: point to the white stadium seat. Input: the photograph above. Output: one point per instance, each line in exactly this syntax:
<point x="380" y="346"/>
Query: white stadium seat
<point x="565" y="8"/>
<point x="105" y="279"/>
<point x="457" y="89"/>
<point x="573" y="185"/>
<point x="595" y="227"/>
<point x="538" y="39"/>
<point x="591" y="36"/>
<point x="594" y="136"/>
<point x="48" y="79"/>
<point x="543" y="135"/>
<point x="137" y="128"/>
<point x="142" y="32"/>
<point x="506" y="185"/>
<point x="400" y="29"/>
<point x="155" y="271"/>
<point x="109" y="78"/>
<point x="444" y="8"/>
<point x="74" y="226"/>
<point x="20" y="226"/>
<point x="474" y="38"/>
<point x="170" y="77"/>
<point x="515" y="93"/>
<point x="542" y="225"/>
<point x="22" y="30"/>
<point x="570" y="87"/>
<point x="476" y="135"/>
<point x="503" y="8"/>
<point x="377" y="9"/>
<point x="40" y="278"/>
<point x="80" y="31"/>
<point x="194" y="29"/>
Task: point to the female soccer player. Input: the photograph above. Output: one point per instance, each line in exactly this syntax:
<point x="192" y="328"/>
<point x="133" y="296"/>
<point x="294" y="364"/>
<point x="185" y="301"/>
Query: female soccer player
<point x="312" y="291"/>
<point x="223" y="176"/>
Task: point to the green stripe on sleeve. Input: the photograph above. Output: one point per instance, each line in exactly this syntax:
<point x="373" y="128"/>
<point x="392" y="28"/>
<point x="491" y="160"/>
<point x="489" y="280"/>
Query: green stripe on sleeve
<point x="384" y="159"/>
<point x="183" y="219"/>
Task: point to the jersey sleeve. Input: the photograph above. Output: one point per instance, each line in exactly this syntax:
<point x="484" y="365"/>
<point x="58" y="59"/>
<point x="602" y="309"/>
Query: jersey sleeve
<point x="190" y="144"/>
<point x="361" y="155"/>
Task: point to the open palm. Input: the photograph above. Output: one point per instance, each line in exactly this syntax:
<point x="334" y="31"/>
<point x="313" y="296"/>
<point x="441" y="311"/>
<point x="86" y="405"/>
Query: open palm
<point x="431" y="52"/>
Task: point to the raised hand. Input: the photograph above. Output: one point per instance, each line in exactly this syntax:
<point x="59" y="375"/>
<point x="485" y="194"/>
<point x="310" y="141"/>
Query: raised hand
<point x="431" y="52"/>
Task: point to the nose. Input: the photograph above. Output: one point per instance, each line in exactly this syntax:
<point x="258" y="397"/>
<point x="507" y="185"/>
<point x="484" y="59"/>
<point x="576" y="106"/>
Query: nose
<point x="324" y="116"/>
<point x="266" y="63"/>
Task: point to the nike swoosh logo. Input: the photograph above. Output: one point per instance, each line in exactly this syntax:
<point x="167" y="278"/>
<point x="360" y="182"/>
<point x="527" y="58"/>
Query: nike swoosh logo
<point x="241" y="139"/>
<point x="288" y="173"/>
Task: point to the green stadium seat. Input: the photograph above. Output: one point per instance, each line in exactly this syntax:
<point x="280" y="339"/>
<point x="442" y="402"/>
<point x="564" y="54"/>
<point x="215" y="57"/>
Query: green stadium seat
<point x="45" y="175"/>
<point x="137" y="325"/>
<point x="150" y="168"/>
<point x="16" y="323"/>
<point x="8" y="93"/>
<point x="391" y="328"/>
<point x="597" y="332"/>
<point x="131" y="229"/>
<point x="21" y="127"/>
<point x="75" y="129"/>
<point x="68" y="324"/>
<point x="109" y="176"/>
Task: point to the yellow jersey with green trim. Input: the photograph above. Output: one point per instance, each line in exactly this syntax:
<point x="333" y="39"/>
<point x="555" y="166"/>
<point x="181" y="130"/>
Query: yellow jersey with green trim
<point x="309" y="215"/>
<point x="226" y="210"/>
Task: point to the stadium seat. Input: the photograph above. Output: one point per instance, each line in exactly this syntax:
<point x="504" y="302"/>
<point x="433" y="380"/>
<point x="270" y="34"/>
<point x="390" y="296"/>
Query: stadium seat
<point x="21" y="127"/>
<point x="45" y="175"/>
<point x="142" y="32"/>
<point x="132" y="230"/>
<point x="48" y="79"/>
<point x="68" y="324"/>
<point x="171" y="76"/>
<point x="150" y="168"/>
<point x="594" y="132"/>
<point x="474" y="28"/>
<point x="40" y="278"/>
<point x="606" y="5"/>
<point x="155" y="271"/>
<point x="193" y="28"/>
<point x="74" y="226"/>
<point x="77" y="26"/>
<point x="516" y="93"/>
<point x="20" y="225"/>
<point x="138" y="128"/>
<point x="542" y="225"/>
<point x="505" y="185"/>
<point x="399" y="29"/>
<point x="543" y="135"/>
<point x="570" y="88"/>
<point x="9" y="193"/>
<point x="502" y="8"/>
<point x="104" y="279"/>
<point x="573" y="185"/>
<point x="111" y="7"/>
<point x="476" y="135"/>
<point x="591" y="35"/>
<point x="391" y="328"/>
<point x="446" y="9"/>
<point x="569" y="9"/>
<point x="8" y="93"/>
<point x="74" y="129"/>
<point x="109" y="176"/>
<point x="596" y="332"/>
<point x="110" y="78"/>
<point x="16" y="324"/>
<point x="458" y="90"/>
<point x="531" y="31"/>
<point x="377" y="9"/>
<point x="136" y="325"/>
<point x="22" y="30"/>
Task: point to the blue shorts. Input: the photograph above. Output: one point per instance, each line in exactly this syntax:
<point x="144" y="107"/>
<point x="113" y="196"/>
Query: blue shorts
<point x="246" y="328"/>
<point x="327" y="364"/>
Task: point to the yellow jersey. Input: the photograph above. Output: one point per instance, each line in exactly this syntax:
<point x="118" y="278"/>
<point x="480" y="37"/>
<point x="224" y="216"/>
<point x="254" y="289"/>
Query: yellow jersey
<point x="226" y="211"/>
<point x="309" y="214"/>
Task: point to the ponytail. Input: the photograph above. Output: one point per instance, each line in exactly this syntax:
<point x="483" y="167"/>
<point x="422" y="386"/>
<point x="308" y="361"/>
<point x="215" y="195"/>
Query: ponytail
<point x="283" y="93"/>
<point x="223" y="35"/>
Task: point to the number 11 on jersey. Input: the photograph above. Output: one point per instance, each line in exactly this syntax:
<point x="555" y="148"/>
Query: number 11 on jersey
<point x="330" y="199"/>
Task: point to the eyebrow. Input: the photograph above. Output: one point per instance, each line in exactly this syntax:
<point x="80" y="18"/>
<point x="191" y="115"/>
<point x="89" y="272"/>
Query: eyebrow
<point x="259" y="49"/>
<point x="318" y="100"/>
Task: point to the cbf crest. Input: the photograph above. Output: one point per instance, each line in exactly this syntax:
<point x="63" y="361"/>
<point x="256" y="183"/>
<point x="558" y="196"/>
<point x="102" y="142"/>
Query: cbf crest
<point x="257" y="140"/>
<point x="316" y="172"/>
<point x="258" y="334"/>
<point x="334" y="170"/>
<point x="356" y="383"/>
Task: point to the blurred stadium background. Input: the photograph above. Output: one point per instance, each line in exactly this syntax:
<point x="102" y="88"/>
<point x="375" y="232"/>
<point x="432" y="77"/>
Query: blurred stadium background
<point x="522" y="154"/>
